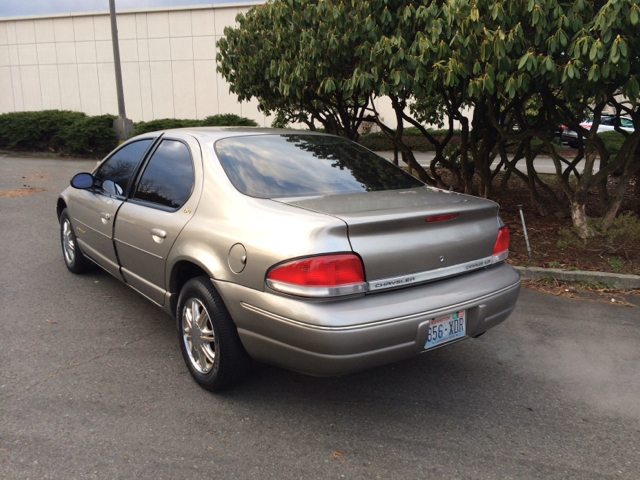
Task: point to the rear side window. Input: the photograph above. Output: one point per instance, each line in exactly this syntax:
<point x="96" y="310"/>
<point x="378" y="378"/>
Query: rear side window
<point x="168" y="177"/>
<point x="119" y="168"/>
<point x="290" y="165"/>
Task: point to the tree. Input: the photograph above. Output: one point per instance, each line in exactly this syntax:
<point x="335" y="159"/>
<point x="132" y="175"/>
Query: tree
<point x="281" y="54"/>
<point x="525" y="66"/>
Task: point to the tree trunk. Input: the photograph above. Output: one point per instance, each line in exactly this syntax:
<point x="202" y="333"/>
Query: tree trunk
<point x="580" y="219"/>
<point x="464" y="157"/>
<point x="616" y="198"/>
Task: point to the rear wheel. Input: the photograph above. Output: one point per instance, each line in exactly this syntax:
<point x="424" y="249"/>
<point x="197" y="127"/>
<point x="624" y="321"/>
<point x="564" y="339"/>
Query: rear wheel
<point x="74" y="259"/>
<point x="209" y="339"/>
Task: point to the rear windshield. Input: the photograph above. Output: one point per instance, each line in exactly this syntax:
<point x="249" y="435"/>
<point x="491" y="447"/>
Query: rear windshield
<point x="290" y="165"/>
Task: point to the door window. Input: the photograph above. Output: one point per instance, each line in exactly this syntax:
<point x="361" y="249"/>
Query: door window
<point x="168" y="178"/>
<point x="114" y="175"/>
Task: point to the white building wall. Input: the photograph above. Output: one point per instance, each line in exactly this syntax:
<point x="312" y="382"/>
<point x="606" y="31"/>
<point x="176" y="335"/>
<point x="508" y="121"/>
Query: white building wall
<point x="168" y="59"/>
<point x="167" y="56"/>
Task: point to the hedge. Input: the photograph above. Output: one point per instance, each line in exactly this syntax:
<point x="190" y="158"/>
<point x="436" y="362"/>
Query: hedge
<point x="412" y="137"/>
<point x="612" y="141"/>
<point x="224" y="120"/>
<point x="76" y="133"/>
<point x="57" y="131"/>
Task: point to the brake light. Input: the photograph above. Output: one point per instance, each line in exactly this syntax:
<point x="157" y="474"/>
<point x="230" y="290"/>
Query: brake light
<point x="322" y="276"/>
<point x="441" y="218"/>
<point x="501" y="249"/>
<point x="586" y="125"/>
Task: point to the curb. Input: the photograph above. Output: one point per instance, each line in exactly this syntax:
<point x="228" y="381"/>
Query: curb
<point x="619" y="281"/>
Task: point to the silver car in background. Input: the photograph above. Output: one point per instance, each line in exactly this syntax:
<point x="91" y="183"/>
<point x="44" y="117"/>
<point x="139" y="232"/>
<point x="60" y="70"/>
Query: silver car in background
<point x="298" y="249"/>
<point x="607" y="124"/>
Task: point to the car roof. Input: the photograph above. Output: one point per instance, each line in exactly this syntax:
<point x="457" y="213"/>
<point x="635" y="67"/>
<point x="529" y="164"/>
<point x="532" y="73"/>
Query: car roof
<point x="216" y="133"/>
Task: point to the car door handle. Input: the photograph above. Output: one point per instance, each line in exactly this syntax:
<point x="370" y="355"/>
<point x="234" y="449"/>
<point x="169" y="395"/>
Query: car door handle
<point x="156" y="232"/>
<point x="105" y="216"/>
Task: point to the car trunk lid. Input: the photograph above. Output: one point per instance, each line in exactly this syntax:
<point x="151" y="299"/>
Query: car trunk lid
<point x="398" y="246"/>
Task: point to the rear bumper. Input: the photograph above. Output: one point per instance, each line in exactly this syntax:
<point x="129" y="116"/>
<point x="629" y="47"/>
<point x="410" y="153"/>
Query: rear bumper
<point x="336" y="337"/>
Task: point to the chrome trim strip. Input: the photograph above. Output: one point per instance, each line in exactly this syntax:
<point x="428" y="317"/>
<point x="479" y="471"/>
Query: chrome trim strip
<point x="138" y="248"/>
<point x="427" y="314"/>
<point x="435" y="274"/>
<point x="317" y="292"/>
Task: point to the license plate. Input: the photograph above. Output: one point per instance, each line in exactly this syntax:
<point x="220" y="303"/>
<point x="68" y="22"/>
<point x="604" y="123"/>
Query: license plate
<point x="446" y="329"/>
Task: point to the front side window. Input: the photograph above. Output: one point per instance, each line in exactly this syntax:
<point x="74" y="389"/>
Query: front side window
<point x="114" y="175"/>
<point x="168" y="178"/>
<point x="292" y="165"/>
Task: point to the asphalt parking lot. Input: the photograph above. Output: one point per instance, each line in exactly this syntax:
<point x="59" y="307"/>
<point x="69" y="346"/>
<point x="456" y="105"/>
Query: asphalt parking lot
<point x="93" y="385"/>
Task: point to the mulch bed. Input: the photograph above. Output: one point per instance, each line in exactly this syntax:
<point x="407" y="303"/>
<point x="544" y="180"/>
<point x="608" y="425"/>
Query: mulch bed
<point x="549" y="248"/>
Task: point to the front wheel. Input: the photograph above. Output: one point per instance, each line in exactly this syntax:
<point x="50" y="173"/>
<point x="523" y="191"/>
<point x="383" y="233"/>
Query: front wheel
<point x="209" y="339"/>
<point x="74" y="259"/>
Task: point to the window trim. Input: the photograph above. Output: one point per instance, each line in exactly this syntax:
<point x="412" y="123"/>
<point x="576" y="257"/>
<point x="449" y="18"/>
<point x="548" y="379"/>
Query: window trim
<point x="143" y="167"/>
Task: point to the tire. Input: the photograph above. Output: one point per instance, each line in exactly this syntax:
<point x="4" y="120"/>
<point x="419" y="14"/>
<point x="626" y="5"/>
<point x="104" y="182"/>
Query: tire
<point x="73" y="257"/>
<point x="218" y="360"/>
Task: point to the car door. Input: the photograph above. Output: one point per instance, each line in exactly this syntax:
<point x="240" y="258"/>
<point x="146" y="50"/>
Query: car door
<point x="159" y="207"/>
<point x="95" y="209"/>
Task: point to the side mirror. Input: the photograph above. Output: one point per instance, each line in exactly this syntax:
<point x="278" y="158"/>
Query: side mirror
<point x="112" y="188"/>
<point x="82" y="181"/>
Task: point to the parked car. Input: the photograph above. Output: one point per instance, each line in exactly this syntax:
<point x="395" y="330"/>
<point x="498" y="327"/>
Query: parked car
<point x="299" y="249"/>
<point x="607" y="123"/>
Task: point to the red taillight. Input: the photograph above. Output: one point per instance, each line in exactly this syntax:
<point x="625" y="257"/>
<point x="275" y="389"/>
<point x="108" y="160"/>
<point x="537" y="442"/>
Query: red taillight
<point x="501" y="249"/>
<point x="586" y="125"/>
<point x="323" y="276"/>
<point x="441" y="218"/>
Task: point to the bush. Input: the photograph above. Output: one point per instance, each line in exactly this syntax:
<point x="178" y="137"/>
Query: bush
<point x="163" y="124"/>
<point x="36" y="131"/>
<point x="91" y="135"/>
<point x="224" y="120"/>
<point x="612" y="141"/>
<point x="228" y="120"/>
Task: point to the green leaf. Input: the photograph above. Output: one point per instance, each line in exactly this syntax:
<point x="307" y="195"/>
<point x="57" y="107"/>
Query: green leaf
<point x="633" y="16"/>
<point x="536" y="17"/>
<point x="549" y="64"/>
<point x="563" y="38"/>
<point x="593" y="53"/>
<point x="523" y="61"/>
<point x="489" y="83"/>
<point x="623" y="48"/>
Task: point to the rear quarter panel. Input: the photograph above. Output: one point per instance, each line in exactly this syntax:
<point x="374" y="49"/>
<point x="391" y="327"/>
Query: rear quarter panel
<point x="270" y="232"/>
